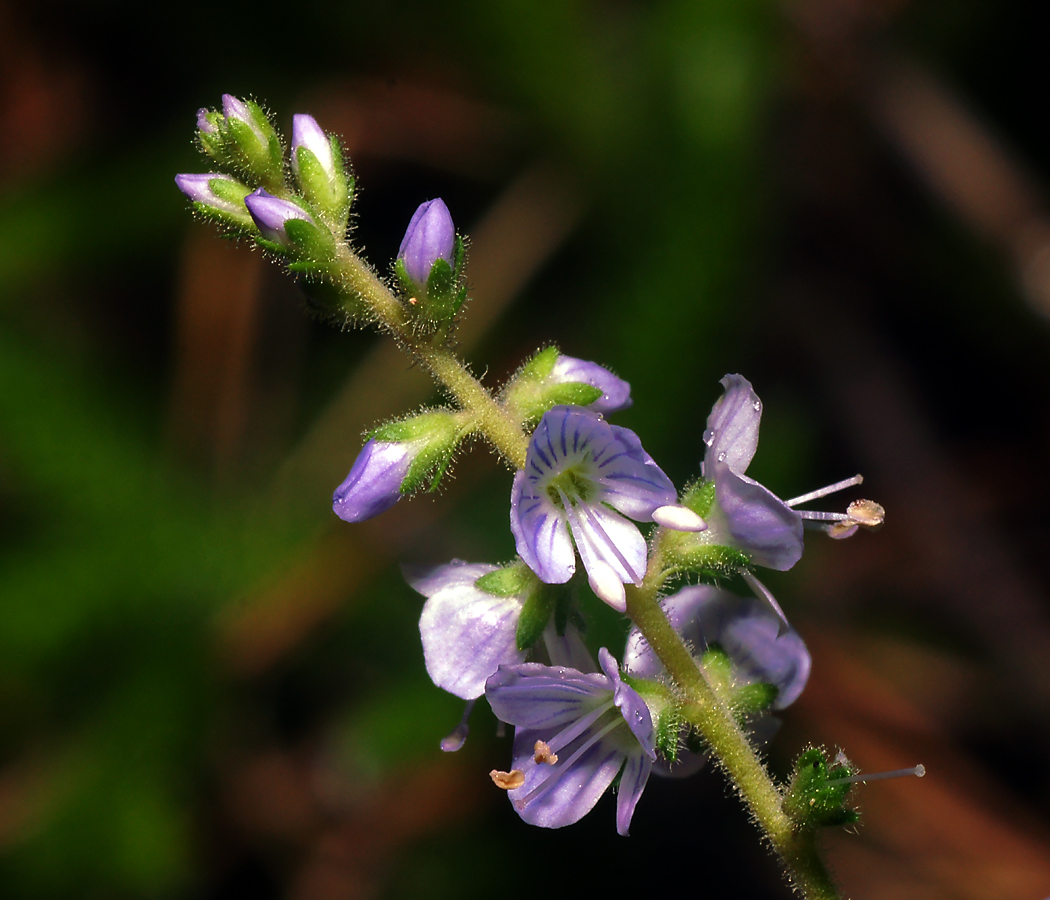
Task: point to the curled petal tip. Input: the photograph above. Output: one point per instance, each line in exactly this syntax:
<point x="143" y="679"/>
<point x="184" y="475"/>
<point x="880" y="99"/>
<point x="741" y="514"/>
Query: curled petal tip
<point x="607" y="586"/>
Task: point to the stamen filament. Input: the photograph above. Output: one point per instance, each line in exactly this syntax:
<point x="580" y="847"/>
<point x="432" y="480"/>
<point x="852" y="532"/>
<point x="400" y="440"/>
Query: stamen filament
<point x="918" y="771"/>
<point x="553" y="770"/>
<point x="566" y="737"/>
<point x="824" y="491"/>
<point x="818" y="516"/>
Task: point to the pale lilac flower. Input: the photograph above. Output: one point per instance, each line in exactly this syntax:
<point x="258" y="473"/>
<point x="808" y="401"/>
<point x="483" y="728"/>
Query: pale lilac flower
<point x="374" y="482"/>
<point x="430" y="236"/>
<point x="467" y="633"/>
<point x="744" y="627"/>
<point x="582" y="482"/>
<point x="308" y="134"/>
<point x="593" y="723"/>
<point x="200" y="188"/>
<point x="754" y="638"/>
<point x="752" y="518"/>
<point x="270" y="214"/>
<point x="616" y="393"/>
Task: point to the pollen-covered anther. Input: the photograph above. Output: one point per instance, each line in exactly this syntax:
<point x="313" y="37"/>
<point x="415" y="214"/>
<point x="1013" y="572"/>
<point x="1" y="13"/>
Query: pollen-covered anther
<point x="508" y="781"/>
<point x="542" y="754"/>
<point x="867" y="513"/>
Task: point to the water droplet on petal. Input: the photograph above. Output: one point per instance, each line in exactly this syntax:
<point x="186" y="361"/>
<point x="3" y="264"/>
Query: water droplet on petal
<point x="757" y="404"/>
<point x="709" y="437"/>
<point x="722" y="456"/>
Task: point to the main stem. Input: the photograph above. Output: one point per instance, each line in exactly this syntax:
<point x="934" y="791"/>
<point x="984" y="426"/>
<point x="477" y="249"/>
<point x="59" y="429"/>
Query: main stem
<point x="490" y="418"/>
<point x="724" y="736"/>
<point x="703" y="709"/>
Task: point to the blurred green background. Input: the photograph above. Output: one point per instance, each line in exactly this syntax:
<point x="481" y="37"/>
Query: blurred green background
<point x="210" y="687"/>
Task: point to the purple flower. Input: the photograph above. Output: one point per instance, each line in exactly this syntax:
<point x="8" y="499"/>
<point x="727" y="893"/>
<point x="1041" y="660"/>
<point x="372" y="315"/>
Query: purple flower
<point x="235" y="108"/>
<point x="759" y="648"/>
<point x="748" y="515"/>
<point x="217" y="192"/>
<point x="430" y="236"/>
<point x="307" y="133"/>
<point x="204" y="121"/>
<point x="374" y="482"/>
<point x="271" y="213"/>
<point x="583" y="479"/>
<point x="616" y="393"/>
<point x="744" y="627"/>
<point x="574" y="733"/>
<point x="467" y="633"/>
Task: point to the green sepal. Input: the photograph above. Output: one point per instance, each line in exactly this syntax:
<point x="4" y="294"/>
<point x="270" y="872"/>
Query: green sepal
<point x="430" y="463"/>
<point x="716" y="665"/>
<point x="432" y="425"/>
<point x="328" y="195"/>
<point x="535" y="615"/>
<point x="540" y="365"/>
<point x="509" y="581"/>
<point x="440" y="292"/>
<point x="668" y="729"/>
<point x="313" y="242"/>
<point x="570" y="393"/>
<point x="754" y="698"/>
<point x="225" y="217"/>
<point x="699" y="496"/>
<point x="408" y="287"/>
<point x="810" y="801"/>
<point x="438" y="431"/>
<point x="459" y="255"/>
<point x="690" y="552"/>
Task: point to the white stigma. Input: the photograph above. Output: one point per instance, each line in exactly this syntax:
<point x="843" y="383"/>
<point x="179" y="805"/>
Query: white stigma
<point x="918" y="771"/>
<point x="607" y="586"/>
<point x="678" y="518"/>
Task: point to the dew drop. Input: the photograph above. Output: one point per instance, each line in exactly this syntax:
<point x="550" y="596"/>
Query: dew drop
<point x="757" y="405"/>
<point x="709" y="437"/>
<point x="722" y="456"/>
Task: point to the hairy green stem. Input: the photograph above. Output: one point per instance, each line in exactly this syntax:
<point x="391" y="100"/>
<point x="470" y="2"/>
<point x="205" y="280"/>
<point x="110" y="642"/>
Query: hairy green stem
<point x="705" y="710"/>
<point x="490" y="418"/>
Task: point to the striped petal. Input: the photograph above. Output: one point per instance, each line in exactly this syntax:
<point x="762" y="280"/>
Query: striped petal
<point x="541" y="533"/>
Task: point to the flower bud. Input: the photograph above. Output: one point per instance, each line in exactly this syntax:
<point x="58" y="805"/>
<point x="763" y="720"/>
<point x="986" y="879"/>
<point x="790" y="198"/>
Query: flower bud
<point x="318" y="167"/>
<point x="271" y="214"/>
<point x="241" y="138"/>
<point x="430" y="236"/>
<point x="217" y="196"/>
<point x="374" y="482"/>
<point x="398" y="459"/>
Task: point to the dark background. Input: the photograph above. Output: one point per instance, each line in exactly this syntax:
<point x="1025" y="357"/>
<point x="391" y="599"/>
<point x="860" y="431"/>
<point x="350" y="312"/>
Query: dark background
<point x="210" y="687"/>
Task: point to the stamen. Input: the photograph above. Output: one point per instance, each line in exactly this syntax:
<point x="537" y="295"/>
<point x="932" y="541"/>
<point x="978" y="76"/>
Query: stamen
<point x="459" y="734"/>
<point x="678" y="518"/>
<point x="867" y="513"/>
<point x="541" y="787"/>
<point x="824" y="491"/>
<point x="817" y="516"/>
<point x="508" y="781"/>
<point x="542" y="754"/>
<point x="918" y="771"/>
<point x="763" y="593"/>
<point x="566" y="737"/>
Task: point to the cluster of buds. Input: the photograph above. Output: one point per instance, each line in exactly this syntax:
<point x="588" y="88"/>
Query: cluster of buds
<point x="300" y="210"/>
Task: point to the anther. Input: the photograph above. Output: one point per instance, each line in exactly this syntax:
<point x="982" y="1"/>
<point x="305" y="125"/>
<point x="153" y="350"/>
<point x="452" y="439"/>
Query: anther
<point x="918" y="771"/>
<point x="508" y="781"/>
<point x="867" y="513"/>
<point x="542" y="754"/>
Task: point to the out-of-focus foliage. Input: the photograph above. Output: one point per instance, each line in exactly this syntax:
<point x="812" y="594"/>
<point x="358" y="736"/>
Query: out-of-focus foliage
<point x="152" y="743"/>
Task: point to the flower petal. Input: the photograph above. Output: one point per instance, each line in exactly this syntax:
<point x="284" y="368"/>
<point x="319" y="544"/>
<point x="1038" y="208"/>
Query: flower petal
<point x="545" y="697"/>
<point x="467" y="635"/>
<point x="616" y="393"/>
<point x="632" y="783"/>
<point x="604" y="536"/>
<point x="763" y="526"/>
<point x="541" y="534"/>
<point x="428" y="580"/>
<point x="632" y="707"/>
<point x="562" y="794"/>
<point x="733" y="425"/>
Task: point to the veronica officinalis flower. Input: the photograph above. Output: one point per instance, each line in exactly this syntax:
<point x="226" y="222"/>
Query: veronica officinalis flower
<point x="574" y="732"/>
<point x="582" y="482"/>
<point x="217" y="196"/>
<point x="616" y="393"/>
<point x="750" y="658"/>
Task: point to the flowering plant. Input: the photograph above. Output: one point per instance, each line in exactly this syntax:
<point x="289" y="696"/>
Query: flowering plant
<point x="702" y="669"/>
